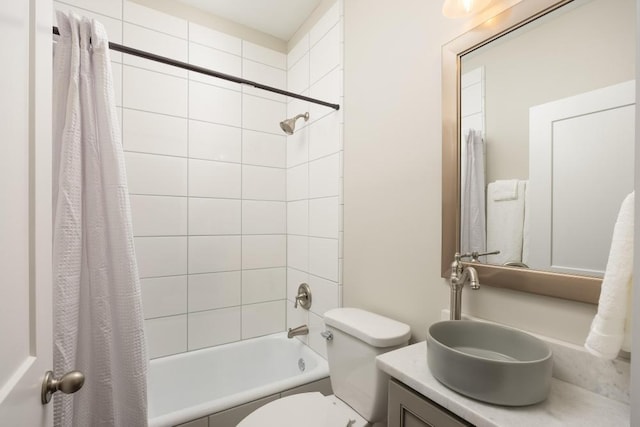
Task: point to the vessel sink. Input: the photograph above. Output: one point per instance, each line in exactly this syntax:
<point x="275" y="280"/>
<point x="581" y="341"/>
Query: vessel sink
<point x="489" y="362"/>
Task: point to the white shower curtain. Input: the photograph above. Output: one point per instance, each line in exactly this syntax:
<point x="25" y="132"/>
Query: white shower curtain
<point x="98" y="322"/>
<point x="473" y="235"/>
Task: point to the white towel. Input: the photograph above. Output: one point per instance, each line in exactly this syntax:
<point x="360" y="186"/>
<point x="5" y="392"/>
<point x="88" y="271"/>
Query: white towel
<point x="611" y="327"/>
<point x="504" y="189"/>
<point x="505" y="222"/>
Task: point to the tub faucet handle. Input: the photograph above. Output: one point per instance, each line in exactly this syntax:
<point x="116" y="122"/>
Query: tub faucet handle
<point x="303" y="297"/>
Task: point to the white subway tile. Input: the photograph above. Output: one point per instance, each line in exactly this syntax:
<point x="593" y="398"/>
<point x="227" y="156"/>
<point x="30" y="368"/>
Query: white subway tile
<point x="210" y="254"/>
<point x="214" y="290"/>
<point x="316" y="342"/>
<point x="263" y="319"/>
<point x="325" y="55"/>
<point x="296" y="317"/>
<point x="264" y="55"/>
<point x="214" y="104"/>
<point x="161" y="256"/>
<point x="214" y="179"/>
<point x="108" y="8"/>
<point x="262" y="114"/>
<point x="263" y="285"/>
<point x="166" y="335"/>
<point x="261" y="183"/>
<point x="156" y="92"/>
<point x="216" y="60"/>
<point x="324" y="176"/>
<point x="263" y="217"/>
<point x="215" y="39"/>
<point x="264" y="74"/>
<point x="298" y="51"/>
<point x="298" y="146"/>
<point x="298" y="182"/>
<point x="323" y="217"/>
<point x="298" y="217"/>
<point x="323" y="258"/>
<point x="328" y="88"/>
<point x="298" y="252"/>
<point x="154" y="19"/>
<point x="298" y="75"/>
<point x="164" y="296"/>
<point x="153" y="174"/>
<point x="264" y="251"/>
<point x="264" y="149"/>
<point x="154" y="133"/>
<point x="294" y="279"/>
<point x="214" y="327"/>
<point x="324" y="24"/>
<point x="215" y="142"/>
<point x="159" y="215"/>
<point x="324" y="136"/>
<point x="325" y="295"/>
<point x="157" y="43"/>
<point x="214" y="216"/>
<point x="471" y="100"/>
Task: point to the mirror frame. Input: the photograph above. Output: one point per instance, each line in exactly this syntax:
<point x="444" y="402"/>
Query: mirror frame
<point x="566" y="286"/>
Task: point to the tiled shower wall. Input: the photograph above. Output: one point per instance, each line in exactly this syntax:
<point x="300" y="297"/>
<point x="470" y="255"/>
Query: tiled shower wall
<point x="314" y="175"/>
<point x="208" y="169"/>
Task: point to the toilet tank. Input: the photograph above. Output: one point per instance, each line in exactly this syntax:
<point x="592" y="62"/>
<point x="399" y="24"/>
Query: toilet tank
<point x="358" y="337"/>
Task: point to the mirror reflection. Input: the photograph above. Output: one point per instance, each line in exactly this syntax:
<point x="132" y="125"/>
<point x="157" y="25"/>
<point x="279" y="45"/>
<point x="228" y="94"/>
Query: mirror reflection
<point x="547" y="117"/>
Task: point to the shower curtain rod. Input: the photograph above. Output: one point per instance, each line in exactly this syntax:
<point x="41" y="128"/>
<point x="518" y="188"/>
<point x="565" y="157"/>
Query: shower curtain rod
<point x="202" y="70"/>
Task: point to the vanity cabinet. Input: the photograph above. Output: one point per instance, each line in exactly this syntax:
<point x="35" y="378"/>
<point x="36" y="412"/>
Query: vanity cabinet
<point x="408" y="408"/>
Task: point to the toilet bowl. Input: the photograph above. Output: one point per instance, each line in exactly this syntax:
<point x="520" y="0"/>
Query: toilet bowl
<point x="355" y="337"/>
<point x="305" y="409"/>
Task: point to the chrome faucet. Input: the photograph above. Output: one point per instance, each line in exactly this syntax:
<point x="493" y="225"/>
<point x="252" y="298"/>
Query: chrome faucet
<point x="461" y="274"/>
<point x="300" y="330"/>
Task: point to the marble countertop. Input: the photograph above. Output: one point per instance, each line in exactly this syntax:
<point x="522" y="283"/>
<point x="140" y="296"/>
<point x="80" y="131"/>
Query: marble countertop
<point x="567" y="404"/>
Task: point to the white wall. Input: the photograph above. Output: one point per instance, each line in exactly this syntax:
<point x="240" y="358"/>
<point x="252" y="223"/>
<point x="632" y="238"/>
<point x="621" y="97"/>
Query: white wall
<point x="392" y="181"/>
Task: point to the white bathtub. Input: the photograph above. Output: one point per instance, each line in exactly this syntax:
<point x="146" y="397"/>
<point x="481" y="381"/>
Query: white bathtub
<point x="198" y="383"/>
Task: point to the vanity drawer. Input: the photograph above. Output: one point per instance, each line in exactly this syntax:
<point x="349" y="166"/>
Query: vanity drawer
<point x="408" y="408"/>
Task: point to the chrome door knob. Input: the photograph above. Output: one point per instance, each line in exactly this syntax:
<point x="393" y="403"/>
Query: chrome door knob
<point x="68" y="383"/>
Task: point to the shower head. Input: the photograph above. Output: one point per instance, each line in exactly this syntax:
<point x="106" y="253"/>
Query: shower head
<point x="289" y="125"/>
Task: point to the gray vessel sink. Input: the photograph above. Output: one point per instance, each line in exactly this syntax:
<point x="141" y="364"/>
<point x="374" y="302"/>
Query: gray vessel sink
<point x="489" y="362"/>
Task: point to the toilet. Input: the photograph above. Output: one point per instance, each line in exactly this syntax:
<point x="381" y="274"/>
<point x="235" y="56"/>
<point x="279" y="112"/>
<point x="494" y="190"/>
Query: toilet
<point x="360" y="389"/>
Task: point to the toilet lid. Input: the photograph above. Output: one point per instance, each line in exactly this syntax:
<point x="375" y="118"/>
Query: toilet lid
<point x="304" y="409"/>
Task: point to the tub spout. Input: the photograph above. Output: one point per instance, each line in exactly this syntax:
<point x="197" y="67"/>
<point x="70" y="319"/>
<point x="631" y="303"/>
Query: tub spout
<point x="300" y="330"/>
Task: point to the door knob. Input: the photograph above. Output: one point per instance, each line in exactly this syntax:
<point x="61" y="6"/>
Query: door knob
<point x="68" y="383"/>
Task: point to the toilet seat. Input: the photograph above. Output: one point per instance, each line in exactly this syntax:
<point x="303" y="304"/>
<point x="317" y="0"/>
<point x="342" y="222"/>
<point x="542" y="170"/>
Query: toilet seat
<point x="304" y="409"/>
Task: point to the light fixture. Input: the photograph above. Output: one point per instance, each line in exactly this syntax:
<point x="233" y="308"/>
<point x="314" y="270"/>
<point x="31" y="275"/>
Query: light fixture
<point x="462" y="8"/>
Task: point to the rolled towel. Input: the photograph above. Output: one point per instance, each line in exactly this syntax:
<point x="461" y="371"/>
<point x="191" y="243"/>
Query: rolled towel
<point x="611" y="327"/>
<point x="504" y="189"/>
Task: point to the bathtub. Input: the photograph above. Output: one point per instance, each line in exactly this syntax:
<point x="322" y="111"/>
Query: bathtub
<point x="198" y="383"/>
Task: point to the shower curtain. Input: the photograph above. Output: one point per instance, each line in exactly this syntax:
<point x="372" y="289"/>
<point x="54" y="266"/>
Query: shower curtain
<point x="473" y="234"/>
<point x="98" y="322"/>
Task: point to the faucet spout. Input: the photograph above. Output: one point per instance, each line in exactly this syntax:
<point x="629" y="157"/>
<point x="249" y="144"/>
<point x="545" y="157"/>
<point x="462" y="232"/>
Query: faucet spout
<point x="460" y="274"/>
<point x="300" y="330"/>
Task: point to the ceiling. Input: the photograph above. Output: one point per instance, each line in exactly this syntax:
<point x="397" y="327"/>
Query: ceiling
<point x="279" y="18"/>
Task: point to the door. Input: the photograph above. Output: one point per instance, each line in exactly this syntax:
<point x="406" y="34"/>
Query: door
<point x="25" y="206"/>
<point x="570" y="231"/>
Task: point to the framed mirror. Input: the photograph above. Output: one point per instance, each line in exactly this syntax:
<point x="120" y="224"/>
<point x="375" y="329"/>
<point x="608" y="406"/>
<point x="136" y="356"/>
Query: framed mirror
<point x="538" y="140"/>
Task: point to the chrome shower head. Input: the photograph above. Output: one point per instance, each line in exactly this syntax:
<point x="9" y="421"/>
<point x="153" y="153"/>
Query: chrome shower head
<point x="289" y="125"/>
